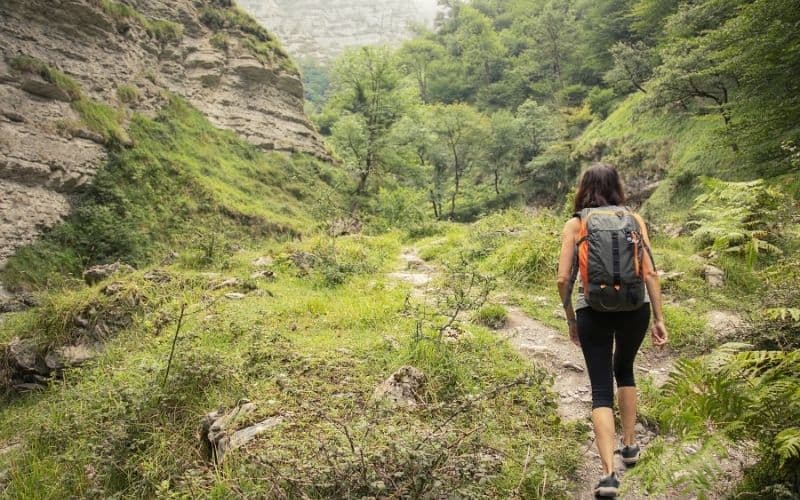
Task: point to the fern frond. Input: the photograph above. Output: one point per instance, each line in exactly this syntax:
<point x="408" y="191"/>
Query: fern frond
<point x="787" y="444"/>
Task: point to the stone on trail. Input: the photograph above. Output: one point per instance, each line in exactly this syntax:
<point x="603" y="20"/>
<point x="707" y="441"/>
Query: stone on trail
<point x="222" y="432"/>
<point x="569" y="365"/>
<point x="403" y="388"/>
<point x="23" y="355"/>
<point x="96" y="274"/>
<point x="235" y="296"/>
<point x="714" y="276"/>
<point x="265" y="261"/>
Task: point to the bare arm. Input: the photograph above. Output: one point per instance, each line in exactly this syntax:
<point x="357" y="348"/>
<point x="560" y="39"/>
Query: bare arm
<point x="565" y="262"/>
<point x="653" y="285"/>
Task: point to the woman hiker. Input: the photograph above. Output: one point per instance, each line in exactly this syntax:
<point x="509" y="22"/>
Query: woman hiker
<point x="607" y="246"/>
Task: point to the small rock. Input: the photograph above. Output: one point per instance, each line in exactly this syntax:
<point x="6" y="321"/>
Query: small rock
<point x="714" y="276"/>
<point x="541" y="300"/>
<point x="157" y="276"/>
<point x="559" y="313"/>
<point x="263" y="261"/>
<point x="267" y="275"/>
<point x="391" y="342"/>
<point x="640" y="428"/>
<point x="14" y="116"/>
<point x="235" y="296"/>
<point x="45" y="89"/>
<point x="669" y="276"/>
<point x="112" y="289"/>
<point x="23" y="355"/>
<point x="572" y="366"/>
<point x="345" y="226"/>
<point x="170" y="258"/>
<point x="303" y="261"/>
<point x="28" y="387"/>
<point x="227" y="283"/>
<point x="403" y="388"/>
<point x="222" y="432"/>
<point x="724" y="323"/>
<point x="69" y="356"/>
<point x="96" y="274"/>
<point x="89" y="135"/>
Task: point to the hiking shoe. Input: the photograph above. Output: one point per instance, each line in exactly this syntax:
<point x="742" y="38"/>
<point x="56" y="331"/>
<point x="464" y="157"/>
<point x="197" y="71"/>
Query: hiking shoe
<point x="630" y="455"/>
<point x="608" y="487"/>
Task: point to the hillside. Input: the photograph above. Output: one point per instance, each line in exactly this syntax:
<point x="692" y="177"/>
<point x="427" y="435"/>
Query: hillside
<point x="319" y="31"/>
<point x="73" y="78"/>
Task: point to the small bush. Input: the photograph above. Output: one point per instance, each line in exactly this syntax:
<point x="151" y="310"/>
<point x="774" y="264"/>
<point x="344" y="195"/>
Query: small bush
<point x="128" y="94"/>
<point x="492" y="315"/>
<point x="219" y="41"/>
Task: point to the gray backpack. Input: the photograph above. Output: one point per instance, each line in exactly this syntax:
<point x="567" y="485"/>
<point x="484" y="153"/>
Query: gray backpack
<point x="609" y="257"/>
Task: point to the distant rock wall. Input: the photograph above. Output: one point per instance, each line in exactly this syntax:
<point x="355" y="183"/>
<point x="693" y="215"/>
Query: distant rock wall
<point x="322" y="29"/>
<point x="46" y="156"/>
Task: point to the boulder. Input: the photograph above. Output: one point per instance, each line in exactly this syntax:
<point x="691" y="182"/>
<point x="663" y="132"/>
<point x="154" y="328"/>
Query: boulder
<point x="69" y="356"/>
<point x="157" y="276"/>
<point x="714" y="276"/>
<point x="96" y="274"/>
<point x="724" y="324"/>
<point x="223" y="431"/>
<point x="403" y="388"/>
<point x="23" y="355"/>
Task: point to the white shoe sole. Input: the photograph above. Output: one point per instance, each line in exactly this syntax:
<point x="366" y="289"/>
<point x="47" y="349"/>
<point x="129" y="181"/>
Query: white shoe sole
<point x="606" y="491"/>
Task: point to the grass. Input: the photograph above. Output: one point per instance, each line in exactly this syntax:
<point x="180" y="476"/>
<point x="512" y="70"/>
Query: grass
<point x="678" y="147"/>
<point x="181" y="181"/>
<point x="299" y="347"/>
<point x="28" y="64"/>
<point x="160" y="29"/>
<point x="256" y="39"/>
<point x="128" y="94"/>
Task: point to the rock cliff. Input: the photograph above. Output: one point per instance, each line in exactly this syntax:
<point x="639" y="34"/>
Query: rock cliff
<point x="321" y="29"/>
<point x="67" y="67"/>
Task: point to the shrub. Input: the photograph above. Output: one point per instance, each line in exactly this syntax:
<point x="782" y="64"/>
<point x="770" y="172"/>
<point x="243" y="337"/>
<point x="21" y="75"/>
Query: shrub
<point x="492" y="315"/>
<point x="738" y="218"/>
<point x="128" y="94"/>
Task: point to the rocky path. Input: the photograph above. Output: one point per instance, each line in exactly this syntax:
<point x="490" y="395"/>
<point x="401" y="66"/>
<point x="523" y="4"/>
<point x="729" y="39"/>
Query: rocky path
<point x="552" y="349"/>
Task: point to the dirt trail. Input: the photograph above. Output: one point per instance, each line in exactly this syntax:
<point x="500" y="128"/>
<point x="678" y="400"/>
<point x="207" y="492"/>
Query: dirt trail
<point x="552" y="349"/>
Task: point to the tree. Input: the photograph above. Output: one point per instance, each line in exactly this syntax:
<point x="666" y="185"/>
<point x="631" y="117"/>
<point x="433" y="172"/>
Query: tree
<point x="368" y="96"/>
<point x="633" y="66"/>
<point x="416" y="58"/>
<point x="504" y="148"/>
<point x="537" y="128"/>
<point x="461" y="133"/>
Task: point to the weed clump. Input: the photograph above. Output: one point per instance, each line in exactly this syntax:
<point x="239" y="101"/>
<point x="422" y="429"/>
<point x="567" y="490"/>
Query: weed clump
<point x="492" y="316"/>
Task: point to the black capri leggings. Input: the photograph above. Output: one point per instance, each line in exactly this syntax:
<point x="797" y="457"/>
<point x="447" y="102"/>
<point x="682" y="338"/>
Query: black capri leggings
<point x="597" y="332"/>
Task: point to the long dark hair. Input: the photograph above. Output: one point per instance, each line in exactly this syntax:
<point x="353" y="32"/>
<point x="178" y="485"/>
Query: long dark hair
<point x="600" y="186"/>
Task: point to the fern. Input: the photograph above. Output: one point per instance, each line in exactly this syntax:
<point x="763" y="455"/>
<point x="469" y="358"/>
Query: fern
<point x="787" y="444"/>
<point x="737" y="218"/>
<point x="731" y="394"/>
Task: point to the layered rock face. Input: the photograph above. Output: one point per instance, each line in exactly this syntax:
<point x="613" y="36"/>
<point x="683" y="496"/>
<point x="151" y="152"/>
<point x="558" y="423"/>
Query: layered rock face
<point x="322" y="29"/>
<point x="46" y="154"/>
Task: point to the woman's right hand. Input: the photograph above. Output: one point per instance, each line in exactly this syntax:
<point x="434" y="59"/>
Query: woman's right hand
<point x="660" y="334"/>
<point x="573" y="333"/>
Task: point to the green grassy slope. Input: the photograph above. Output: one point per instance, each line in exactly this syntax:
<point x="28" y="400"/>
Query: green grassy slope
<point x="181" y="182"/>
